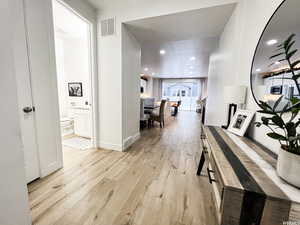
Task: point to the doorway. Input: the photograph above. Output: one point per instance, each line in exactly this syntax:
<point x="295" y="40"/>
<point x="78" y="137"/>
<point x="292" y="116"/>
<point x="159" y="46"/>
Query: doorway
<point x="74" y="78"/>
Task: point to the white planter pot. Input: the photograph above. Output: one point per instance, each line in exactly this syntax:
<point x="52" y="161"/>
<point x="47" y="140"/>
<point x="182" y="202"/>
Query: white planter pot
<point x="288" y="167"/>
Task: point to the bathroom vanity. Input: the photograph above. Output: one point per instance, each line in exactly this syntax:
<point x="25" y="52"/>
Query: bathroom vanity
<point x="82" y="121"/>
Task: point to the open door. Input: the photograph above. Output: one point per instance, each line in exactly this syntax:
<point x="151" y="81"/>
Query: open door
<point x="26" y="108"/>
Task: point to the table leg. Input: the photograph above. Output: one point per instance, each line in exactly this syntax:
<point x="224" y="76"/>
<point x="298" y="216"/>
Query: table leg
<point x="201" y="163"/>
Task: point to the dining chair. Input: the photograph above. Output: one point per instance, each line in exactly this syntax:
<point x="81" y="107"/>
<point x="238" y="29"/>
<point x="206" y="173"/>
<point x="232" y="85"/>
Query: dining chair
<point x="144" y="118"/>
<point x="175" y="108"/>
<point x="159" y="117"/>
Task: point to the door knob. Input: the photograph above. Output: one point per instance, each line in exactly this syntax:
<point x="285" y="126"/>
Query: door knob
<point x="27" y="109"/>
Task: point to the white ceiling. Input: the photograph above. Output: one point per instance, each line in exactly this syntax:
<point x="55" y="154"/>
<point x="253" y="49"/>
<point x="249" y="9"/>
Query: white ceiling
<point x="284" y="23"/>
<point x="195" y="24"/>
<point x="182" y="35"/>
<point x="177" y="63"/>
<point x="67" y="23"/>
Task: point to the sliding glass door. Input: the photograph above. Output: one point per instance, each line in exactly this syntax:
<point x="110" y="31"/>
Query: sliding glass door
<point x="181" y="90"/>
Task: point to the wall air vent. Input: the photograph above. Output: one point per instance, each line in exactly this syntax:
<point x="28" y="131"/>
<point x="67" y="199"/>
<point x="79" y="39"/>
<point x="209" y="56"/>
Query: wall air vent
<point x="108" y="27"/>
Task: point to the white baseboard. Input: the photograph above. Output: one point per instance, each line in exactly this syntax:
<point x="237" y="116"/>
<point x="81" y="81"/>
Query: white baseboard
<point x="51" y="168"/>
<point x="110" y="146"/>
<point x="126" y="143"/>
<point x="130" y="140"/>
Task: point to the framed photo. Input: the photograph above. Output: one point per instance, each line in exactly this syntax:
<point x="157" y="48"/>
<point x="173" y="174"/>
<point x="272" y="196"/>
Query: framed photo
<point x="75" y="89"/>
<point x="240" y="122"/>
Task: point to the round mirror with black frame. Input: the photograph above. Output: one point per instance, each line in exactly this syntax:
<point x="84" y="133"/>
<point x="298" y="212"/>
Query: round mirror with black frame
<point x="275" y="85"/>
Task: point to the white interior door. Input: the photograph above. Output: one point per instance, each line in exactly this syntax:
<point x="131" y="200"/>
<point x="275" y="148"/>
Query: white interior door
<point x="26" y="110"/>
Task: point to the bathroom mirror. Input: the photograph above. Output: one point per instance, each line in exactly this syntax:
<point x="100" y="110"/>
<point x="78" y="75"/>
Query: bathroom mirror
<point x="275" y="74"/>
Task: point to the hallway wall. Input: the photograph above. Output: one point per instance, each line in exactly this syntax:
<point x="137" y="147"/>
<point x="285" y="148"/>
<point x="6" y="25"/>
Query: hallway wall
<point x="231" y="63"/>
<point x="131" y="67"/>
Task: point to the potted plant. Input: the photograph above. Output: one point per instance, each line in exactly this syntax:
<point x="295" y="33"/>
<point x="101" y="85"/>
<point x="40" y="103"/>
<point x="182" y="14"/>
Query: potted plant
<point x="283" y="123"/>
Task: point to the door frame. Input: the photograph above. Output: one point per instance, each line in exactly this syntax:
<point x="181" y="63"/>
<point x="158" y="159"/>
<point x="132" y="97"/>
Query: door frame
<point x="92" y="69"/>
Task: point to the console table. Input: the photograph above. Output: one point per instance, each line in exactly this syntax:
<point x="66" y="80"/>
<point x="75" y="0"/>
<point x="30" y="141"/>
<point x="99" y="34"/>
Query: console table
<point x="245" y="187"/>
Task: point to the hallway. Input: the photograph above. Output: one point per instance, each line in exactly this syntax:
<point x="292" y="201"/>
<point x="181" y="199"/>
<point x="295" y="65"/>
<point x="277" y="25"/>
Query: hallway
<point x="153" y="183"/>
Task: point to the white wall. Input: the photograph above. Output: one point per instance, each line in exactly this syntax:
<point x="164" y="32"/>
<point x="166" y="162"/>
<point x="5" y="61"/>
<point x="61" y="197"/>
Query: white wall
<point x="73" y="66"/>
<point x="110" y="57"/>
<point x="157" y="88"/>
<point x="61" y="76"/>
<point x="131" y="67"/>
<point x="231" y="64"/>
<point x="14" y="207"/>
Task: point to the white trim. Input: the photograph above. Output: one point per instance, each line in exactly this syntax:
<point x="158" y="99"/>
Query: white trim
<point x="120" y="148"/>
<point x="110" y="146"/>
<point x="131" y="140"/>
<point x="51" y="168"/>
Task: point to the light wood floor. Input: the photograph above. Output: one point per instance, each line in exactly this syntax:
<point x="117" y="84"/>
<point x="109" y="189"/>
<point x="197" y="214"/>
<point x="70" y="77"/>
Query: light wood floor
<point x="153" y="183"/>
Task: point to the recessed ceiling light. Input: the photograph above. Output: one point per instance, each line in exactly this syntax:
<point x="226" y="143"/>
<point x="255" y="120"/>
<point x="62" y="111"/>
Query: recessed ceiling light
<point x="162" y="52"/>
<point x="191" y="67"/>
<point x="277" y="63"/>
<point x="153" y="74"/>
<point x="258" y="70"/>
<point x="272" y="42"/>
<point x="192" y="58"/>
<point x="146" y="69"/>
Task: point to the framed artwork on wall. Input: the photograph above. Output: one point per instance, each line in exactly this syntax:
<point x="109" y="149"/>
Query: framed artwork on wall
<point x="75" y="89"/>
<point x="240" y="122"/>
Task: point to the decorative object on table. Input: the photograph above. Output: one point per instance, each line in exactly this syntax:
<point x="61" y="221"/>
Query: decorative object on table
<point x="282" y="129"/>
<point x="233" y="96"/>
<point x="241" y="121"/>
<point x="75" y="89"/>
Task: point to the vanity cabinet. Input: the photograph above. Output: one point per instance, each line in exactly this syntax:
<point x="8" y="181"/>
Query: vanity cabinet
<point x="82" y="122"/>
<point x="245" y="187"/>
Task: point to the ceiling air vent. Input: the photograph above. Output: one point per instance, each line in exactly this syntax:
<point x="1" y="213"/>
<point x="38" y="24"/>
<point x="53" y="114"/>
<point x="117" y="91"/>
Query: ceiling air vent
<point x="108" y="27"/>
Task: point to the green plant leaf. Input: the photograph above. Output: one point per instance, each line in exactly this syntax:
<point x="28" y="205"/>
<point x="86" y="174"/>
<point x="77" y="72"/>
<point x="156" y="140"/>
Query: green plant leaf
<point x="296" y="77"/>
<point x="277" y="136"/>
<point x="284" y="109"/>
<point x="277" y="102"/>
<point x="266" y="112"/>
<point x="257" y="124"/>
<point x="265" y="105"/>
<point x="265" y="120"/>
<point x="289" y="46"/>
<point x="280" y="45"/>
<point x="295" y="112"/>
<point x="278" y="121"/>
<point x="288" y="40"/>
<point x="297" y="123"/>
<point x="274" y="56"/>
<point x="294" y="100"/>
<point x="291" y="129"/>
<point x="288" y="56"/>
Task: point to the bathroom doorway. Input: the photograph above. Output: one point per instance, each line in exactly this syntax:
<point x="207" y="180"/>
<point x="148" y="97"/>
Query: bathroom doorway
<point x="74" y="78"/>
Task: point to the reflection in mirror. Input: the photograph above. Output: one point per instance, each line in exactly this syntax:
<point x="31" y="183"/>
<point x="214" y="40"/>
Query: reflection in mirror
<point x="276" y="62"/>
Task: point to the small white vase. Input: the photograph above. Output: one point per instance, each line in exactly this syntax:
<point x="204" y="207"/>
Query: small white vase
<point x="288" y="167"/>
